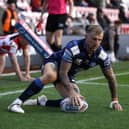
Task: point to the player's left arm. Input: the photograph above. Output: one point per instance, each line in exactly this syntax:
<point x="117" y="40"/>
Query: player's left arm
<point x="112" y="82"/>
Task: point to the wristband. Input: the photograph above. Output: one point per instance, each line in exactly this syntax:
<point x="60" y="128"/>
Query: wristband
<point x="112" y="103"/>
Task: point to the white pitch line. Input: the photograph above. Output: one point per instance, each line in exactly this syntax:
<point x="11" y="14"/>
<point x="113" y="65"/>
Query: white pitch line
<point x="101" y="77"/>
<point x="13" y="73"/>
<point x="19" y="91"/>
<point x="102" y="84"/>
<point x="79" y="81"/>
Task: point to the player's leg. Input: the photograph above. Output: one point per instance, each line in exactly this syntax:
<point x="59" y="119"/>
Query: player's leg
<point x="56" y="103"/>
<point x="43" y="101"/>
<point x="50" y="28"/>
<point x="50" y="38"/>
<point x="58" y="29"/>
<point x="49" y="75"/>
<point x="58" y="39"/>
<point x="63" y="103"/>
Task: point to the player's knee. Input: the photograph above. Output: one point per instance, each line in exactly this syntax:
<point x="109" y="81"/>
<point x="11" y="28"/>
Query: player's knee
<point x="51" y="76"/>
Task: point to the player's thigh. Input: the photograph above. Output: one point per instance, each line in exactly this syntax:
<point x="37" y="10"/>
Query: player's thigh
<point x="63" y="91"/>
<point x="49" y="74"/>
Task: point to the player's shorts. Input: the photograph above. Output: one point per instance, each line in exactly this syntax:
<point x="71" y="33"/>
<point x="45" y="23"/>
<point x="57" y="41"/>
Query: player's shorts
<point x="55" y="22"/>
<point x="52" y="59"/>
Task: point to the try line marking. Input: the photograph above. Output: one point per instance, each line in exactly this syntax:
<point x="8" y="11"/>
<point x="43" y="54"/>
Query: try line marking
<point x="85" y="81"/>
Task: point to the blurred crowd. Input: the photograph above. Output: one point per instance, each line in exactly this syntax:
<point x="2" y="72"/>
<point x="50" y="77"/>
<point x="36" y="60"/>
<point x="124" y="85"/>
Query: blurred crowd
<point x="36" y="6"/>
<point x="75" y="25"/>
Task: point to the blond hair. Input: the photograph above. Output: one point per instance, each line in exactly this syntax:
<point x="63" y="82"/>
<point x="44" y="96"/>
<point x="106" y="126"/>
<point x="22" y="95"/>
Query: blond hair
<point x="96" y="29"/>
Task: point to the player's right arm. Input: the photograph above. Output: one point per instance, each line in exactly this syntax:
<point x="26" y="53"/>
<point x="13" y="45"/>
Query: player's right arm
<point x="65" y="67"/>
<point x="63" y="75"/>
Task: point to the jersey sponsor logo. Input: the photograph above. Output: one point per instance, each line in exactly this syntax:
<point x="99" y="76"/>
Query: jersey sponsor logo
<point x="75" y="50"/>
<point x="102" y="55"/>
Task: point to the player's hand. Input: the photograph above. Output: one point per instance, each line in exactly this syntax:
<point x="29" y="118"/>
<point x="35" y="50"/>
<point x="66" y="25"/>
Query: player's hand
<point x="75" y="98"/>
<point x="116" y="106"/>
<point x="28" y="77"/>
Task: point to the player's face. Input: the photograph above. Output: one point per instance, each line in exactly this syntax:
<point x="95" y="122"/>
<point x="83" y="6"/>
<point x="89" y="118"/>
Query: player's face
<point x="93" y="41"/>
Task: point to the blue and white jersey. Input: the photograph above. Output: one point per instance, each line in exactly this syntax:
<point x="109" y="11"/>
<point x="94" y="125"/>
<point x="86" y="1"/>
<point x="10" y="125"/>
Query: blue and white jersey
<point x="76" y="54"/>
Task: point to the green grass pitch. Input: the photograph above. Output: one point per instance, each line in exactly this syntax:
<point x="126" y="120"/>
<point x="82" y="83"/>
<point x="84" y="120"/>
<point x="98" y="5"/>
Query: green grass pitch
<point x="92" y="85"/>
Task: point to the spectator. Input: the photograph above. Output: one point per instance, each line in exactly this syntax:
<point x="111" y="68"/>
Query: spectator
<point x="111" y="40"/>
<point x="91" y="19"/>
<point x="56" y="21"/>
<point x="102" y="19"/>
<point x="96" y="3"/>
<point x="9" y="18"/>
<point x="115" y="3"/>
<point x="9" y="45"/>
<point x="122" y="14"/>
<point x="36" y="5"/>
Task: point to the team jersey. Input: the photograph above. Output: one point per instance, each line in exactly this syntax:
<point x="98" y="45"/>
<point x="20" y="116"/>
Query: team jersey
<point x="57" y="6"/>
<point x="76" y="54"/>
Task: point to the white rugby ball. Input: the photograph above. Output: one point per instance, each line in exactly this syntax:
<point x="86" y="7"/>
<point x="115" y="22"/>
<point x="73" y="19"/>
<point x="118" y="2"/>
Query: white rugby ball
<point x="67" y="106"/>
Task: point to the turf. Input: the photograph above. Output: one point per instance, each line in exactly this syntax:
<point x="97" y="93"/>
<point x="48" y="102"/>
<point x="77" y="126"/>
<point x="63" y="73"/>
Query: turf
<point x="93" y="87"/>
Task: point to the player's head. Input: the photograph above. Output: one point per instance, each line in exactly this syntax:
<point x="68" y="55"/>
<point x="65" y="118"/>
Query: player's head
<point x="94" y="36"/>
<point x="11" y="4"/>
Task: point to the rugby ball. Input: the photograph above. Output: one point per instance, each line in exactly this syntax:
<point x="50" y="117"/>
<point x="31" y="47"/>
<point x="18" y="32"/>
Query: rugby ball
<point x="67" y="106"/>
